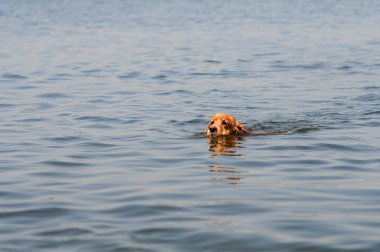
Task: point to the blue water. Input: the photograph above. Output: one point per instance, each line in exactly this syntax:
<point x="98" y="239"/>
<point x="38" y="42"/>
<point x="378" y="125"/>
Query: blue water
<point x="103" y="105"/>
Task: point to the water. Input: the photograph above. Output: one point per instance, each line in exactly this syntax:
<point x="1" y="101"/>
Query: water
<point x="103" y="105"/>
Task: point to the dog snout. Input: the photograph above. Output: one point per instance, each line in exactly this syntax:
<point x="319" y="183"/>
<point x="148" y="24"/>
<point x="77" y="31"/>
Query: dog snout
<point x="213" y="129"/>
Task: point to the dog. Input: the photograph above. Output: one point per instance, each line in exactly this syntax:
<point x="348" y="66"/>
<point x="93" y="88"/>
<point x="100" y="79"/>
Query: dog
<point x="224" y="125"/>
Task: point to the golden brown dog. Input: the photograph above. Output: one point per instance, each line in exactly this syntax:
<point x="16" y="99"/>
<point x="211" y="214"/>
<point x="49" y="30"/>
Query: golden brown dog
<point x="224" y="125"/>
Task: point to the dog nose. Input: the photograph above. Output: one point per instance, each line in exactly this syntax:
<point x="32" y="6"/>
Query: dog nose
<point x="213" y="129"/>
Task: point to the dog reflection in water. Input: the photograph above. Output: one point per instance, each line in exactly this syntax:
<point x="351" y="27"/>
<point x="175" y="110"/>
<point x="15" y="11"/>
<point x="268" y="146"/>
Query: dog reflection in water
<point x="232" y="177"/>
<point x="225" y="145"/>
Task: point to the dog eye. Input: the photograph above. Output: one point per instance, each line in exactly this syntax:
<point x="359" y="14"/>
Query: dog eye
<point x="224" y="123"/>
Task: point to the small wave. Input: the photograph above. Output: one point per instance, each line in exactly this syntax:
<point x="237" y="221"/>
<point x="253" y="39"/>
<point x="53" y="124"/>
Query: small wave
<point x="97" y="145"/>
<point x="136" y="210"/>
<point x="56" y="174"/>
<point x="215" y="90"/>
<point x="223" y="73"/>
<point x="179" y="91"/>
<point x="25" y="87"/>
<point x="124" y="93"/>
<point x="160" y="77"/>
<point x="5" y="105"/>
<point x="371" y="87"/>
<point x="213" y="61"/>
<point x="202" y="74"/>
<point x="53" y="95"/>
<point x="93" y="72"/>
<point x="373" y="113"/>
<point x="312" y="66"/>
<point x="289" y="126"/>
<point x="131" y="75"/>
<point x="101" y="101"/>
<point x="264" y="54"/>
<point x="32" y="120"/>
<point x="65" y="139"/>
<point x="160" y="234"/>
<point x="177" y="123"/>
<point x="64" y="163"/>
<point x="194" y="121"/>
<point x="368" y="97"/>
<point x="98" y="119"/>
<point x="98" y="126"/>
<point x="340" y="147"/>
<point x="34" y="213"/>
<point x="65" y="232"/>
<point x="344" y="67"/>
<point x="14" y="76"/>
<point x="306" y="130"/>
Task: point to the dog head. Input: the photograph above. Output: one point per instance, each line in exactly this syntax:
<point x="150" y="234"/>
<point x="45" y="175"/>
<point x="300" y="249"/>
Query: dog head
<point x="224" y="125"/>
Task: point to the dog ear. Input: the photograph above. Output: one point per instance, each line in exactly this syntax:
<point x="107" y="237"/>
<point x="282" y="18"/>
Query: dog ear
<point x="240" y="129"/>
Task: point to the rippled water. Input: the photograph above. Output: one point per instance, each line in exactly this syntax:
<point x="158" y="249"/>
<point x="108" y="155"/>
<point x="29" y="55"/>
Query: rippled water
<point x="103" y="105"/>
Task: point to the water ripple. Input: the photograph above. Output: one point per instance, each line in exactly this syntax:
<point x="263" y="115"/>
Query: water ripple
<point x="97" y="145"/>
<point x="65" y="139"/>
<point x="131" y="75"/>
<point x="53" y="95"/>
<point x="99" y="119"/>
<point x="6" y="105"/>
<point x="67" y="232"/>
<point x="179" y="91"/>
<point x="64" y="164"/>
<point x="13" y="76"/>
<point x="36" y="213"/>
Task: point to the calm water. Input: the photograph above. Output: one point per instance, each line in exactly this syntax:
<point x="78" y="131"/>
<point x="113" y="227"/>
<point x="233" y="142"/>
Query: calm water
<point x="102" y="105"/>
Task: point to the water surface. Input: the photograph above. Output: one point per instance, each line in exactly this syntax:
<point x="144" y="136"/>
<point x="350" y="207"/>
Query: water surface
<point x="103" y="105"/>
